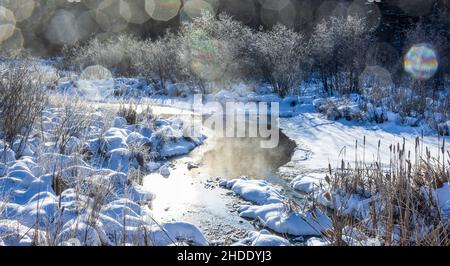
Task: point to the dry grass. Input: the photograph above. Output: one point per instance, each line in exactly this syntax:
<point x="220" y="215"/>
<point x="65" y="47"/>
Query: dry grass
<point x="129" y="112"/>
<point x="403" y="208"/>
<point x="22" y="99"/>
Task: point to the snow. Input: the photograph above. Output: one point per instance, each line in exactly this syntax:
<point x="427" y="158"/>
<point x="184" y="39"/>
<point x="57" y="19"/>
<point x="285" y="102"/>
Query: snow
<point x="171" y="233"/>
<point x="84" y="233"/>
<point x="164" y="171"/>
<point x="257" y="191"/>
<point x="13" y="233"/>
<point x="262" y="238"/>
<point x="7" y="155"/>
<point x="354" y="204"/>
<point x="179" y="147"/>
<point x="272" y="210"/>
<point x="277" y="217"/>
<point x="135" y="138"/>
<point x="443" y="198"/>
<point x="119" y="122"/>
<point x="98" y="204"/>
<point x="317" y="242"/>
<point x="308" y="183"/>
<point x="323" y="141"/>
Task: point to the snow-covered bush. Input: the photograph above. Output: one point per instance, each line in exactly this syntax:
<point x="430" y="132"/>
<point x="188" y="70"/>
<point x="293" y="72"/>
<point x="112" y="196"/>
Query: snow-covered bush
<point x="129" y="113"/>
<point x="216" y="50"/>
<point x="159" y="60"/>
<point x="376" y="84"/>
<point x="280" y="54"/>
<point x="115" y="53"/>
<point x="338" y="46"/>
<point x="337" y="108"/>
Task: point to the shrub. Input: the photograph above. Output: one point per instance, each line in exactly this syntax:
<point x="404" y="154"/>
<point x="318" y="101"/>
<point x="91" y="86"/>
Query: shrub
<point x="159" y="60"/>
<point x="22" y="99"/>
<point x="129" y="113"/>
<point x="338" y="46"/>
<point x="74" y="120"/>
<point x="280" y="55"/>
<point x="115" y="53"/>
<point x="215" y="50"/>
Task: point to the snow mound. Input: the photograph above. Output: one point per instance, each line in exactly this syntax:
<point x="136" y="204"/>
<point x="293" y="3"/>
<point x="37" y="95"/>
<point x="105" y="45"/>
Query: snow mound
<point x="256" y="191"/>
<point x="317" y="242"/>
<point x="272" y="211"/>
<point x="173" y="232"/>
<point x="263" y="238"/>
<point x="277" y="217"/>
<point x="13" y="233"/>
<point x="307" y="183"/>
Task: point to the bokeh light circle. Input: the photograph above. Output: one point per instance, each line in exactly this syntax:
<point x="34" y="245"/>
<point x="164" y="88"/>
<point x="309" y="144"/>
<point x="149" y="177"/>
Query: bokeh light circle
<point x="375" y="79"/>
<point x="369" y="11"/>
<point x="62" y="28"/>
<point x="109" y="18"/>
<point x="95" y="82"/>
<point x="7" y="23"/>
<point x="421" y="62"/>
<point x="205" y="55"/>
<point x="162" y="10"/>
<point x="14" y="44"/>
<point x="133" y="11"/>
<point x="195" y="8"/>
<point x="22" y="9"/>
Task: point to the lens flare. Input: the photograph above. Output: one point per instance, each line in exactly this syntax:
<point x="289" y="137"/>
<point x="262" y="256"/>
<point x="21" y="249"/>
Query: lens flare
<point x="95" y="82"/>
<point x="133" y="11"/>
<point x="7" y="24"/>
<point x="109" y="18"/>
<point x="420" y="62"/>
<point x="195" y="8"/>
<point x="204" y="57"/>
<point x="62" y="28"/>
<point x="162" y="10"/>
<point x="13" y="44"/>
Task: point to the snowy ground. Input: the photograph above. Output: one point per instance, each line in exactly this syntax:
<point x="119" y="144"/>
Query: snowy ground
<point x="82" y="193"/>
<point x="98" y="203"/>
<point x="323" y="141"/>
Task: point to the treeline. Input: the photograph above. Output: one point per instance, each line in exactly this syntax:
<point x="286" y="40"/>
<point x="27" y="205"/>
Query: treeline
<point x="107" y="18"/>
<point x="214" y="52"/>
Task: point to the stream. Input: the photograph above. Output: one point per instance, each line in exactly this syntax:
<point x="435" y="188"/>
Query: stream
<point x="191" y="192"/>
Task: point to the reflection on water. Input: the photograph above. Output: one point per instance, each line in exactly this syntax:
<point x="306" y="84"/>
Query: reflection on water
<point x="234" y="157"/>
<point x="192" y="195"/>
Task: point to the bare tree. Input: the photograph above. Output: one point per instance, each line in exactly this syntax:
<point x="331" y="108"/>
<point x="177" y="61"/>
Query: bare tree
<point x="216" y="50"/>
<point x="159" y="60"/>
<point x="339" y="45"/>
<point x="281" y="56"/>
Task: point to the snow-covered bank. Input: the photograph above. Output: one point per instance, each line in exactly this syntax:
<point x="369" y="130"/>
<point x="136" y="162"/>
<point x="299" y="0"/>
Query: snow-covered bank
<point x="274" y="211"/>
<point x="75" y="184"/>
<point x="324" y="141"/>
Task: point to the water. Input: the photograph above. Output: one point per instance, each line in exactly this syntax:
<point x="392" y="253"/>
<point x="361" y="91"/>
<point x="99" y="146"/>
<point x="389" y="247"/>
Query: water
<point x="234" y="157"/>
<point x="193" y="195"/>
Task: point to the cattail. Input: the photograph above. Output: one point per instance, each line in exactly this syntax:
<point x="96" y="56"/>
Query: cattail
<point x="327" y="179"/>
<point x="327" y="195"/>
